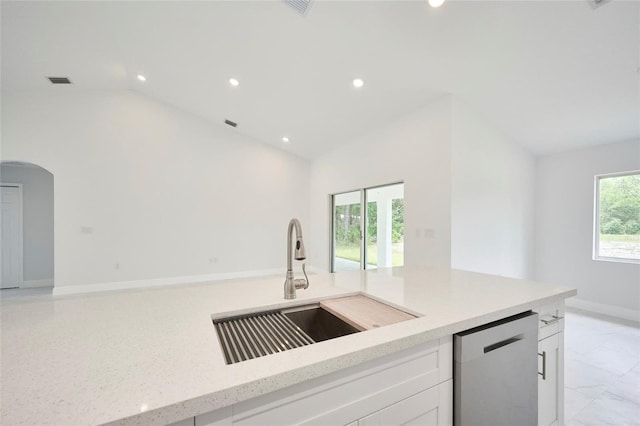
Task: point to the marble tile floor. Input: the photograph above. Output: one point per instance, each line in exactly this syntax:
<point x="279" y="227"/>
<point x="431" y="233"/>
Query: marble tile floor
<point x="602" y="370"/>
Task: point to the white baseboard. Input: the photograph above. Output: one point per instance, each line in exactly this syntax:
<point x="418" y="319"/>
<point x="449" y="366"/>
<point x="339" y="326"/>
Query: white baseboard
<point x="37" y="283"/>
<point x="158" y="282"/>
<point x="601" y="308"/>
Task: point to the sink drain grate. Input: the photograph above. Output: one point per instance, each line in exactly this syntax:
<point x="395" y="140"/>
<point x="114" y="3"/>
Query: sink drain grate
<point x="253" y="336"/>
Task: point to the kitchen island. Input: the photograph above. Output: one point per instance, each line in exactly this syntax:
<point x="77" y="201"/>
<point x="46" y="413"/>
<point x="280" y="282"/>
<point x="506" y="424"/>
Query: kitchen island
<point x="152" y="356"/>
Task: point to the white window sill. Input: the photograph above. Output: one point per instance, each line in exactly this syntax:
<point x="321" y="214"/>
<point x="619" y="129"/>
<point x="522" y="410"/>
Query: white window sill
<point x="617" y="260"/>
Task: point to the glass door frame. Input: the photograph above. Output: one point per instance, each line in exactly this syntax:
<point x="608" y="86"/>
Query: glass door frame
<point x="333" y="227"/>
<point x="363" y="223"/>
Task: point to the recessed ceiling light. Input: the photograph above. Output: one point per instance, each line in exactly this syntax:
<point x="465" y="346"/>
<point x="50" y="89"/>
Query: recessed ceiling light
<point x="358" y="82"/>
<point x="234" y="82"/>
<point x="436" y="3"/>
<point x="285" y="139"/>
<point x="142" y="77"/>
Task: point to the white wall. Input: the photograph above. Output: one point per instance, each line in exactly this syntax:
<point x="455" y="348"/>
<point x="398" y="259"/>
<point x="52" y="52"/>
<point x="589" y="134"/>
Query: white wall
<point x="146" y="191"/>
<point x="414" y="149"/>
<point x="37" y="223"/>
<point x="492" y="199"/>
<point x="565" y="227"/>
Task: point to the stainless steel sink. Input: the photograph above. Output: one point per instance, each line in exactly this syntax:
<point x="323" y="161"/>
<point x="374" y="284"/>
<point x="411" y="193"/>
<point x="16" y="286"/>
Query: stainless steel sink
<point x="263" y="333"/>
<point x="319" y="324"/>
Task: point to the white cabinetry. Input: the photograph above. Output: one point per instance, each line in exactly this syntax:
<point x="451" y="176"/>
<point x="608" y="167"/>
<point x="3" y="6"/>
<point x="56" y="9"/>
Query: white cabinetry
<point x="551" y="365"/>
<point x="411" y="386"/>
<point x="430" y="407"/>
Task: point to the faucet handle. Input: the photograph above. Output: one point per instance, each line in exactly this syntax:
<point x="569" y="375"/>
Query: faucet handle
<point x="302" y="283"/>
<point x="306" y="278"/>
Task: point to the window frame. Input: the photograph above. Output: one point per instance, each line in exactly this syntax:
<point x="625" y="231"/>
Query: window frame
<point x="363" y="223"/>
<point x="596" y="219"/>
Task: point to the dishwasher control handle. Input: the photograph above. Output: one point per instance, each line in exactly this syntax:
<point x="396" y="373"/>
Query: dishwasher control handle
<point x="502" y="343"/>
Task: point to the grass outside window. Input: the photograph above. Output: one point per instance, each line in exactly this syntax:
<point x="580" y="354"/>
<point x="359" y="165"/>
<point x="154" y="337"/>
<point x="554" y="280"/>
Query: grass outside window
<point x="352" y="252"/>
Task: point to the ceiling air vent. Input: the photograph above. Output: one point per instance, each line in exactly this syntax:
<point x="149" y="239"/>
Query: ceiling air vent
<point x="230" y="123"/>
<point x="301" y="6"/>
<point x="59" y="80"/>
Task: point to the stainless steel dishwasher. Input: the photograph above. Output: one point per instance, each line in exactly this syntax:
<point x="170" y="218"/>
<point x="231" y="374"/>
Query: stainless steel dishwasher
<point x="496" y="373"/>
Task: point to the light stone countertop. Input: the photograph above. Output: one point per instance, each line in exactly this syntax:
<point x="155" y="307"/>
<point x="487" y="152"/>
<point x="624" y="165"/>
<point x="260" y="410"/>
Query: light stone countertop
<point x="152" y="356"/>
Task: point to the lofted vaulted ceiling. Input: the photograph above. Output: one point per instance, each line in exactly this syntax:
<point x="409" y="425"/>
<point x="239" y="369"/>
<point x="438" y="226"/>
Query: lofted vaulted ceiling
<point x="552" y="75"/>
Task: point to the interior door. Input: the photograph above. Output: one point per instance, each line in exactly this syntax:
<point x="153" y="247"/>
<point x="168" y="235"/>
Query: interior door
<point x="11" y="237"/>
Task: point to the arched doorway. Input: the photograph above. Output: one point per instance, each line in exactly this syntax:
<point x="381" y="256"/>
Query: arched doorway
<point x="27" y="246"/>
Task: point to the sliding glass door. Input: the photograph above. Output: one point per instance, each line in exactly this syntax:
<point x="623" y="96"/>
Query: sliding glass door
<point x="382" y="242"/>
<point x="385" y="226"/>
<point x="347" y="231"/>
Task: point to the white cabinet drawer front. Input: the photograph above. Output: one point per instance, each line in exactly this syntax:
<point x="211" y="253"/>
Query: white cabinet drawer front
<point x="428" y="408"/>
<point x="221" y="417"/>
<point x="551" y="319"/>
<point x="345" y="396"/>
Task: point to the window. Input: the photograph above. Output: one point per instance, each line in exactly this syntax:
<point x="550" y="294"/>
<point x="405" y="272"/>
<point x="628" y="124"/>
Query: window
<point x="617" y="213"/>
<point x="382" y="242"/>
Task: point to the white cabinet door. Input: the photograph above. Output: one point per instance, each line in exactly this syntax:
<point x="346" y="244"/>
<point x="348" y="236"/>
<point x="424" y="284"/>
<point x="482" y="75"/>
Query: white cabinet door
<point x="430" y="407"/>
<point x="550" y="386"/>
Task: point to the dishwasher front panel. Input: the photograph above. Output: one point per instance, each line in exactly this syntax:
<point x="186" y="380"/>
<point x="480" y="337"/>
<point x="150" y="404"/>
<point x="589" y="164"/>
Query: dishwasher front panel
<point x="496" y="373"/>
